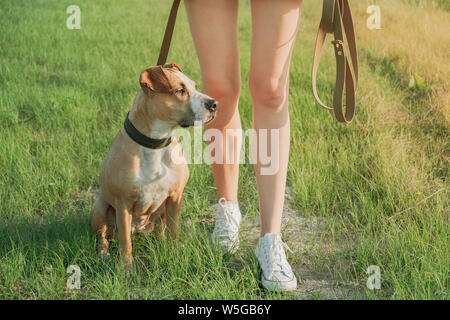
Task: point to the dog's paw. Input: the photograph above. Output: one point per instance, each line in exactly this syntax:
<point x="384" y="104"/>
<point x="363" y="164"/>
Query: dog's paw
<point x="105" y="256"/>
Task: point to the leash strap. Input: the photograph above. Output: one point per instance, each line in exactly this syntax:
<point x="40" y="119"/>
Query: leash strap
<point x="142" y="139"/>
<point x="164" y="51"/>
<point x="337" y="19"/>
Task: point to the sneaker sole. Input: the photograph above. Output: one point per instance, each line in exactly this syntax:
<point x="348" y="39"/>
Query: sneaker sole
<point x="272" y="285"/>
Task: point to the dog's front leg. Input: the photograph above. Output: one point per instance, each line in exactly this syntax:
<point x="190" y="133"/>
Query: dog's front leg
<point x="123" y="221"/>
<point x="173" y="210"/>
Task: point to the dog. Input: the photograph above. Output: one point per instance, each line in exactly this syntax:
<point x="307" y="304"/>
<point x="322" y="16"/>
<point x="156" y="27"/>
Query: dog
<point x="141" y="182"/>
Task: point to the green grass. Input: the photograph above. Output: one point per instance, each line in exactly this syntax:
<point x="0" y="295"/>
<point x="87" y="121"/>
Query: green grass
<point x="64" y="94"/>
<point x="444" y="4"/>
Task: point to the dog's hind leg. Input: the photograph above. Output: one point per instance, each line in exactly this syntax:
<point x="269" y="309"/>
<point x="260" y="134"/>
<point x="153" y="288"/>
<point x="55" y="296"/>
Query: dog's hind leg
<point x="99" y="220"/>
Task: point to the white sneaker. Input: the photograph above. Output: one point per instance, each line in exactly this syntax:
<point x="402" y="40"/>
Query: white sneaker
<point x="276" y="271"/>
<point x="226" y="230"/>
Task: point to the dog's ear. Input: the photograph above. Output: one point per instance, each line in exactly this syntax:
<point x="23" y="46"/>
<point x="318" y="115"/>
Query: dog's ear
<point x="155" y="79"/>
<point x="173" y="65"/>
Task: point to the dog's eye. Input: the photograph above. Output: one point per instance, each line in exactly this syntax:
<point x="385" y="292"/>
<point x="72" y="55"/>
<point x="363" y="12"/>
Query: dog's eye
<point x="181" y="91"/>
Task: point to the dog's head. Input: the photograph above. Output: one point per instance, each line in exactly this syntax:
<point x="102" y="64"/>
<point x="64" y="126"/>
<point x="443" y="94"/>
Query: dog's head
<point x="172" y="97"/>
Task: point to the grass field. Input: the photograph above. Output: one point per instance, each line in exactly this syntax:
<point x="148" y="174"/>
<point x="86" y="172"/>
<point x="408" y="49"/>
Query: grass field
<point x="371" y="193"/>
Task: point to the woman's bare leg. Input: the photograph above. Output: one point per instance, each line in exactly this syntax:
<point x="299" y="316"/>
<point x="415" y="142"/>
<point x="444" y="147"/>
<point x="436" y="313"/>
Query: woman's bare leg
<point x="214" y="30"/>
<point x="275" y="25"/>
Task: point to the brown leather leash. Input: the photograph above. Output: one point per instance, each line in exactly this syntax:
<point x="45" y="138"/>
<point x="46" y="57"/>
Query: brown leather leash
<point x="336" y="19"/>
<point x="165" y="46"/>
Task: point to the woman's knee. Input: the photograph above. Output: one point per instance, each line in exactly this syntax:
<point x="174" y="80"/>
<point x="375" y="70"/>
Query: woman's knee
<point x="226" y="92"/>
<point x="267" y="92"/>
<point x="221" y="88"/>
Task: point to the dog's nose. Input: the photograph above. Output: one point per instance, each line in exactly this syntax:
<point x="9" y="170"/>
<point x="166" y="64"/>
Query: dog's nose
<point x="211" y="105"/>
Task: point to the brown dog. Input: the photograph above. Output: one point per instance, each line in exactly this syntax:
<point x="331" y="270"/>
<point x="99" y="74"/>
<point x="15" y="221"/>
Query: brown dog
<point x="140" y="179"/>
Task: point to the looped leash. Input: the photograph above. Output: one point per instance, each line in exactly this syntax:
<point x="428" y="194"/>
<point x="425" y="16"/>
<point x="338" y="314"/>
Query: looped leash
<point x="337" y="19"/>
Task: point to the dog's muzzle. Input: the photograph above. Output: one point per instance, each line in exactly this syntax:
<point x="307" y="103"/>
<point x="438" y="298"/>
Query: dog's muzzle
<point x="211" y="106"/>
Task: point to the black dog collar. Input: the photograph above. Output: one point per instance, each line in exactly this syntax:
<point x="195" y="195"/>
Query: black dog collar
<point x="142" y="139"/>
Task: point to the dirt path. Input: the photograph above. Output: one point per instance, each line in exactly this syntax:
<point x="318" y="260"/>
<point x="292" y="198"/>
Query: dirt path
<point x="304" y="235"/>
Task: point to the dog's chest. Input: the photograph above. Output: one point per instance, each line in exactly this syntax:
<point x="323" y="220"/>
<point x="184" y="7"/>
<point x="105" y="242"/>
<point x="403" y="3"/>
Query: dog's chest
<point x="155" y="178"/>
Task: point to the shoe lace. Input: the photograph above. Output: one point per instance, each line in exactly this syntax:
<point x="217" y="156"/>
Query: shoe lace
<point x="227" y="224"/>
<point x="276" y="258"/>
